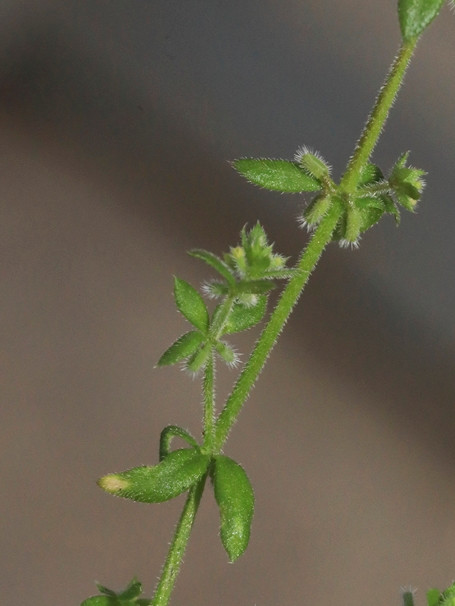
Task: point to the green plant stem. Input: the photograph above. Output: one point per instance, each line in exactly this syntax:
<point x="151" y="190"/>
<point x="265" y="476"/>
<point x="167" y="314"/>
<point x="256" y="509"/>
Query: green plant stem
<point x="269" y="335"/>
<point x="209" y="402"/>
<point x="216" y="330"/>
<point x="378" y="117"/>
<point x="215" y="434"/>
<point x="177" y="548"/>
<point x="289" y="297"/>
<point x="218" y="324"/>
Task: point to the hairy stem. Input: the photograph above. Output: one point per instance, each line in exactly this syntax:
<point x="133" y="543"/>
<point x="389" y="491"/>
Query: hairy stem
<point x="177" y="548"/>
<point x="218" y="324"/>
<point x="209" y="402"/>
<point x="215" y="434"/>
<point x="378" y="117"/>
<point x="281" y="313"/>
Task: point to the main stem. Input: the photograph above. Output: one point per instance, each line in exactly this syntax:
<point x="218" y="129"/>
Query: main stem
<point x="177" y="548"/>
<point x="182" y="532"/>
<point x="209" y="401"/>
<point x="378" y="117"/>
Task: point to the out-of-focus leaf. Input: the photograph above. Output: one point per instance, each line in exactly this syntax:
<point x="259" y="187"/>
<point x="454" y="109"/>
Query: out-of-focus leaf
<point x="214" y="261"/>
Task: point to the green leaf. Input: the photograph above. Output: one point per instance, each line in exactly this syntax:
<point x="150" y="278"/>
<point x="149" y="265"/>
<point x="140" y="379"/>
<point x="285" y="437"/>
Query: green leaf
<point x="313" y="163"/>
<point x="371" y="210"/>
<point x="227" y="353"/>
<point x="406" y="183"/>
<point x="254" y="287"/>
<point x="100" y="600"/>
<point x="391" y="208"/>
<point x="214" y="261"/>
<point x="216" y="289"/>
<point x="235" y="498"/>
<point x="315" y="210"/>
<point x="106" y="591"/>
<point x="353" y="224"/>
<point x="176" y="473"/>
<point x="416" y="15"/>
<point x="184" y="347"/>
<point x="243" y="318"/>
<point x="190" y="304"/>
<point x="127" y="597"/>
<point x="408" y="597"/>
<point x="200" y="358"/>
<point x="276" y="175"/>
<point x="433" y="596"/>
<point x="448" y="596"/>
<point x="370" y="174"/>
<point x="133" y="590"/>
<point x="169" y="433"/>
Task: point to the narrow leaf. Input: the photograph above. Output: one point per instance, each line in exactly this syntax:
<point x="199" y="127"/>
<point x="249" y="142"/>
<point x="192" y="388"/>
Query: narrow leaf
<point x="214" y="261"/>
<point x="106" y="591"/>
<point x="391" y="208"/>
<point x="175" y="474"/>
<point x="448" y="596"/>
<point x="279" y="274"/>
<point x="408" y="597"/>
<point x="254" y="287"/>
<point x="133" y="590"/>
<point x="127" y="597"/>
<point x="191" y="304"/>
<point x="353" y="224"/>
<point x="200" y="358"/>
<point x="169" y="433"/>
<point x="433" y="596"/>
<point x="243" y="318"/>
<point x="100" y="600"/>
<point x="227" y="353"/>
<point x="370" y="174"/>
<point x="235" y="498"/>
<point x="215" y="289"/>
<point x="276" y="175"/>
<point x="184" y="347"/>
<point x="416" y="15"/>
<point x="371" y="211"/>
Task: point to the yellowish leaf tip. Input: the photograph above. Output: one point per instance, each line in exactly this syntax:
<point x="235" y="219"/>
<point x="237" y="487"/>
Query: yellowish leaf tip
<point x="113" y="483"/>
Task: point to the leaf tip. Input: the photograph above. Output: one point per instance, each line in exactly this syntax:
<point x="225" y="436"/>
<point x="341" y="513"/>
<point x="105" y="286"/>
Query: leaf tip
<point x="113" y="483"/>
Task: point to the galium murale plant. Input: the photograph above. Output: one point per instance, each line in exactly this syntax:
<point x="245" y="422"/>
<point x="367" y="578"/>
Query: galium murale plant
<point x="244" y="276"/>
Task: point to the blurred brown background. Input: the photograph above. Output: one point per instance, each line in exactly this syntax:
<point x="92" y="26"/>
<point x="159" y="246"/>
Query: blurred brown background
<point x="117" y="121"/>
